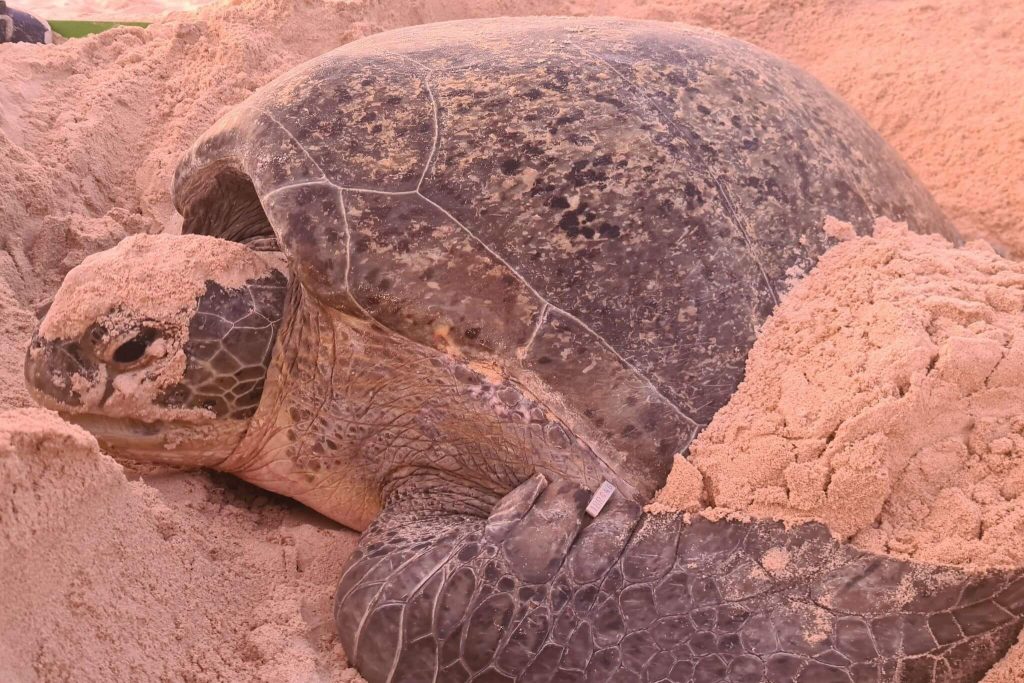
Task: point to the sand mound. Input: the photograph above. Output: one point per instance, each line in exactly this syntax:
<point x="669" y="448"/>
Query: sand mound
<point x="15" y="330"/>
<point x="885" y="398"/>
<point x="104" y="582"/>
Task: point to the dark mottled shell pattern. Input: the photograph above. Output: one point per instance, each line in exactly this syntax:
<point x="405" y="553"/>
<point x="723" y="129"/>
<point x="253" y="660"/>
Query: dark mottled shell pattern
<point x="607" y="208"/>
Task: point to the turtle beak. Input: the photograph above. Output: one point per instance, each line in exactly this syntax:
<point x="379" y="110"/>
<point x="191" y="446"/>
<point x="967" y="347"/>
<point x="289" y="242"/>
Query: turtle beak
<point x="60" y="376"/>
<point x="67" y="378"/>
<point x="51" y="368"/>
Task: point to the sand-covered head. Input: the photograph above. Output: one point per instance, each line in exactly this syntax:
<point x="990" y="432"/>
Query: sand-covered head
<point x="158" y="331"/>
<point x="159" y="277"/>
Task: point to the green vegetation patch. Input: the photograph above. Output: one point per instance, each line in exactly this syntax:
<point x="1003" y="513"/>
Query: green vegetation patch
<point x="77" y="29"/>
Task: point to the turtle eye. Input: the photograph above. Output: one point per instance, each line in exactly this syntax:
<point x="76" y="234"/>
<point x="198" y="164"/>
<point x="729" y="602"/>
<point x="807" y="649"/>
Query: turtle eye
<point x="135" y="348"/>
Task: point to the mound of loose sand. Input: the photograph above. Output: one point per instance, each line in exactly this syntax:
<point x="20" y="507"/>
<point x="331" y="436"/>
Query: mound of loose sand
<point x="885" y="398"/>
<point x="198" y="578"/>
<point x="103" y="581"/>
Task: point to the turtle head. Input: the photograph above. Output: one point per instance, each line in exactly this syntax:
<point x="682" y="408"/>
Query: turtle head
<point x="160" y="346"/>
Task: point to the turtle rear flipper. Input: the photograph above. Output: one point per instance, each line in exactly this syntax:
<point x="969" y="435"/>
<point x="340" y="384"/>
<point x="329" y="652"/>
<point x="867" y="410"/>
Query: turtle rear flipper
<point x="654" y="598"/>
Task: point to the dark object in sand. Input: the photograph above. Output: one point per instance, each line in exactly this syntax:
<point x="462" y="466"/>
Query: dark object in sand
<point x="17" y="26"/>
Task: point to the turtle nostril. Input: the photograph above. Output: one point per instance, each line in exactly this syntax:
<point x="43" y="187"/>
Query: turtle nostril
<point x="96" y="334"/>
<point x="133" y="349"/>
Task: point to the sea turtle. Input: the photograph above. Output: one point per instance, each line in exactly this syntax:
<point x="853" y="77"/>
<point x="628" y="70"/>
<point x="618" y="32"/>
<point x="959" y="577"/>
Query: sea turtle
<point x="17" y="26"/>
<point x="524" y="257"/>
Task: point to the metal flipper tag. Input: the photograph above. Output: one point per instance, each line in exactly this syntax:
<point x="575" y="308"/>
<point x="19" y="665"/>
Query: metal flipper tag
<point x="601" y="497"/>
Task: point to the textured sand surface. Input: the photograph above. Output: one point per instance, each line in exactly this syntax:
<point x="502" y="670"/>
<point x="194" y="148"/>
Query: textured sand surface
<point x="178" y="578"/>
<point x="885" y="398"/>
<point x="108" y="10"/>
<point x="191" y="577"/>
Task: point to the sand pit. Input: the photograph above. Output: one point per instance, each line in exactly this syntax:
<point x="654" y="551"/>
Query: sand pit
<point x="195" y="577"/>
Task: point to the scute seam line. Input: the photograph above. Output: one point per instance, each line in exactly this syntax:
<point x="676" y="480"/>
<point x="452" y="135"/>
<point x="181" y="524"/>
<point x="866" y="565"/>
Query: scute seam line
<point x="542" y="317"/>
<point x="545" y="303"/>
<point x="552" y="307"/>
<point x="292" y="137"/>
<point x="435" y="109"/>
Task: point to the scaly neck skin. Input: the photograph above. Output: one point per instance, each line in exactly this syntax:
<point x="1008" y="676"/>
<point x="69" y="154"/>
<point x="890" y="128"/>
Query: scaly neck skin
<point x="354" y="417"/>
<point x="293" y="446"/>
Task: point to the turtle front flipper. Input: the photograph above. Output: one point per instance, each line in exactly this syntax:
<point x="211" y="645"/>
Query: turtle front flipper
<point x="538" y="592"/>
